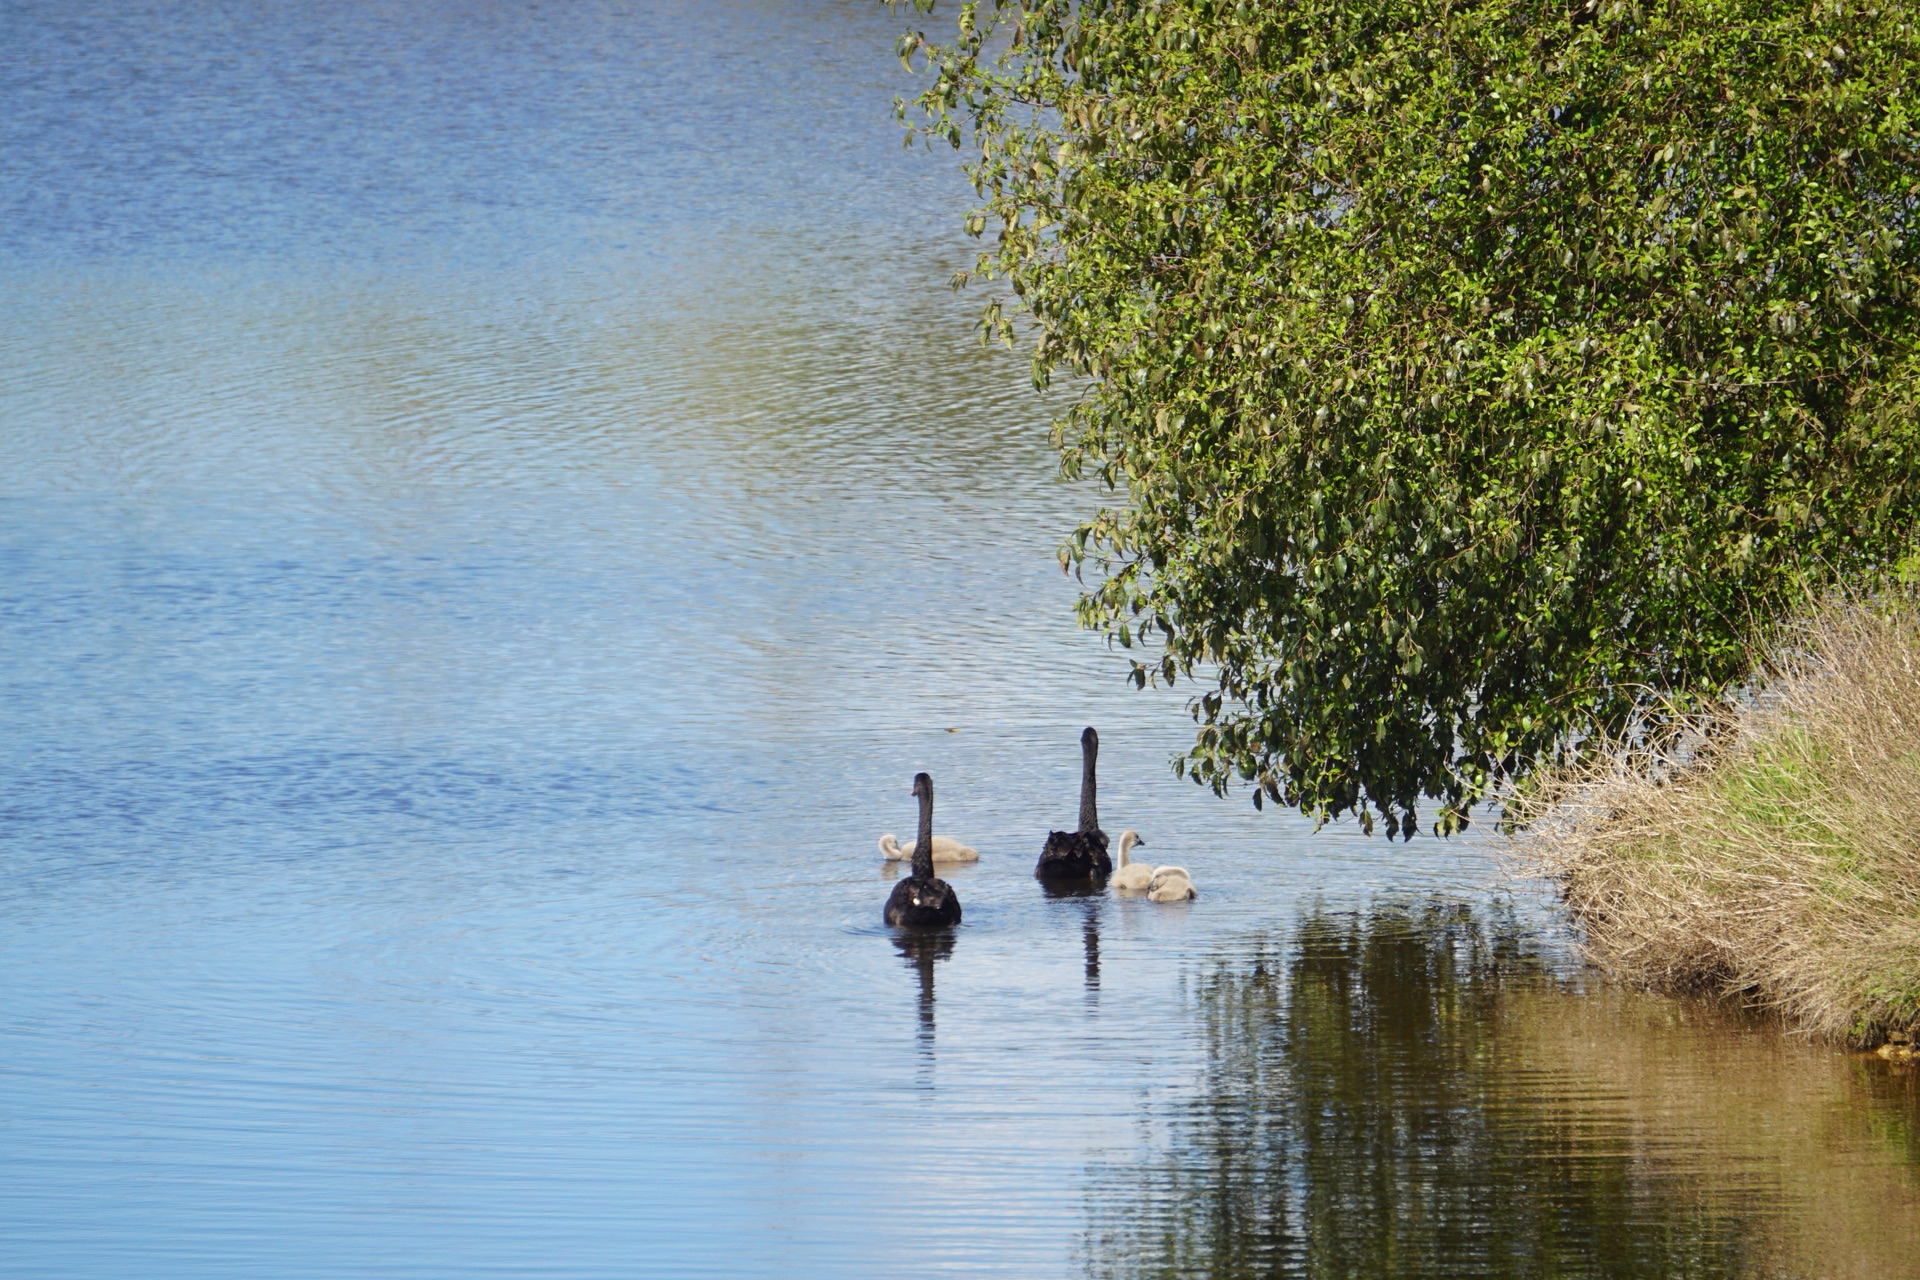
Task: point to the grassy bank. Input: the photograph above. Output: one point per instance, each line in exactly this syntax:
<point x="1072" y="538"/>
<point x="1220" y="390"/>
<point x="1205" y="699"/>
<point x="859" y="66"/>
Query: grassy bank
<point x="1772" y="852"/>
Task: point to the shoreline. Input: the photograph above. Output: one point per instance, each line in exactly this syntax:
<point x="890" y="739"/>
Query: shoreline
<point x="1770" y="853"/>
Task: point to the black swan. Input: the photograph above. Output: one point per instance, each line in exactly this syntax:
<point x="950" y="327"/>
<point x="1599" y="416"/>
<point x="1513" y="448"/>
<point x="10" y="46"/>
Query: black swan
<point x="922" y="901"/>
<point x="1082" y="854"/>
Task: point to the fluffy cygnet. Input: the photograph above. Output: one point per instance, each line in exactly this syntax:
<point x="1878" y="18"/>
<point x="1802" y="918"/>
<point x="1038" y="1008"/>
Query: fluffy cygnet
<point x="945" y="849"/>
<point x="1130" y="874"/>
<point x="1171" y="884"/>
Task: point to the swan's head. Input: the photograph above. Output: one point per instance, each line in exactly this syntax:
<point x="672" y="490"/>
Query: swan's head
<point x="1089" y="740"/>
<point x="923" y="786"/>
<point x="1128" y="839"/>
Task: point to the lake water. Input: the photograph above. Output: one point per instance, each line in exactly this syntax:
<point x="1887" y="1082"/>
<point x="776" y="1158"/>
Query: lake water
<point x="496" y="503"/>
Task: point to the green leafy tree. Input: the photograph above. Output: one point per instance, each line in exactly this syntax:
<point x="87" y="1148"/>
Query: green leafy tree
<point x="1478" y="375"/>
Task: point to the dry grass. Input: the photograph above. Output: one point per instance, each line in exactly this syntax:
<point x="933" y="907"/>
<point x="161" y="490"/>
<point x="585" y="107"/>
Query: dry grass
<point x="1772" y="852"/>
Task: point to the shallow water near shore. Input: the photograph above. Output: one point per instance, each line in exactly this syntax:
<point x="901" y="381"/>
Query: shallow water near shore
<point x="496" y="503"/>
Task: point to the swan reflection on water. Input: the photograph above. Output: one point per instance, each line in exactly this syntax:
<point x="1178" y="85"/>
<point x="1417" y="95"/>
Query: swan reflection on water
<point x="1090" y="939"/>
<point x="922" y="948"/>
<point x="1093" y="896"/>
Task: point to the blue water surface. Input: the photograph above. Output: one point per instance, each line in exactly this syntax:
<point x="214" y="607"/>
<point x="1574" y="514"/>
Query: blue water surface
<point x="496" y="502"/>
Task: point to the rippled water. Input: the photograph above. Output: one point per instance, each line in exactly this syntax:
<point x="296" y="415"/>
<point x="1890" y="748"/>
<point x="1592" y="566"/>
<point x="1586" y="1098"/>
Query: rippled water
<point x="495" y="504"/>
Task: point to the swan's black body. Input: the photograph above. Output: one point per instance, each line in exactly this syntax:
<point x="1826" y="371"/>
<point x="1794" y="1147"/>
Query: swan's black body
<point x="1074" y="855"/>
<point x="1082" y="854"/>
<point x="923" y="904"/>
<point x="923" y="900"/>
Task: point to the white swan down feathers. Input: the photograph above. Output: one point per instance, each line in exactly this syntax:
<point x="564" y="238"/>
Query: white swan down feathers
<point x="1130" y="874"/>
<point x="1162" y="884"/>
<point x="945" y="849"/>
<point x="1171" y="884"/>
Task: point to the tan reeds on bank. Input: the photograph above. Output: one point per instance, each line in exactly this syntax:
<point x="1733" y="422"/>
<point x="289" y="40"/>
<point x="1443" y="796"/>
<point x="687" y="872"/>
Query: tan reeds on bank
<point x="1772" y="852"/>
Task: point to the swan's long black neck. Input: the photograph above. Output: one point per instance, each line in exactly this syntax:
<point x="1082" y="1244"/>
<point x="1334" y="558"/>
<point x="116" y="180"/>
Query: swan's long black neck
<point x="923" y="847"/>
<point x="1089" y="813"/>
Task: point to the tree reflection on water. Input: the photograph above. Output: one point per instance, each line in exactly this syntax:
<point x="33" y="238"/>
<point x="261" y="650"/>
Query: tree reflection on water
<point x="1408" y="1093"/>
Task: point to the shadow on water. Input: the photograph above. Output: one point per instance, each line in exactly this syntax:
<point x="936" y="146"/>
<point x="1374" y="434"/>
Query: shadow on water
<point x="1415" y="1092"/>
